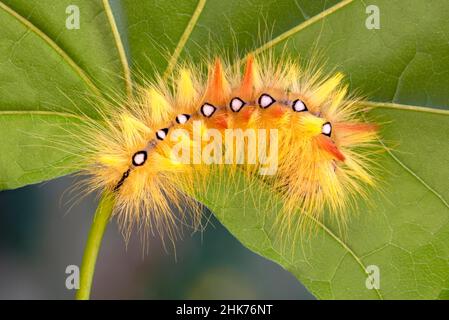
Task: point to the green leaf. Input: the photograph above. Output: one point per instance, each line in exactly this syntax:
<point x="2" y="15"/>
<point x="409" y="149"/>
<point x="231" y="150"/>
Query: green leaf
<point x="402" y="67"/>
<point x="403" y="230"/>
<point x="194" y="28"/>
<point x="406" y="61"/>
<point x="28" y="154"/>
<point x="46" y="67"/>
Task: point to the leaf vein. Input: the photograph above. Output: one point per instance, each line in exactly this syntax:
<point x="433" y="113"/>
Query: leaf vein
<point x="302" y="26"/>
<point x="52" y="44"/>
<point x="410" y="171"/>
<point x="185" y="36"/>
<point x="119" y="45"/>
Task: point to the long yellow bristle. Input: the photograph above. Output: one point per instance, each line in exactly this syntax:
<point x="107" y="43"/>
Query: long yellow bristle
<point x="315" y="171"/>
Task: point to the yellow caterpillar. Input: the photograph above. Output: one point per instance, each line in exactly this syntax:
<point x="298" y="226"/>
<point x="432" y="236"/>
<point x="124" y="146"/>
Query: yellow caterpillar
<point x="300" y="135"/>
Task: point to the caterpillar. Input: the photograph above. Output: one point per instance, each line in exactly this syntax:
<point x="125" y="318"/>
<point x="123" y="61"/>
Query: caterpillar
<point x="302" y="135"/>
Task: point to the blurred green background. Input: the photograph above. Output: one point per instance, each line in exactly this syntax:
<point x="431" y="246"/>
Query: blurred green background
<point x="40" y="237"/>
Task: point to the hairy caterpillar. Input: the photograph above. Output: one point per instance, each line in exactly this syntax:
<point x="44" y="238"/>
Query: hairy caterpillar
<point x="320" y="143"/>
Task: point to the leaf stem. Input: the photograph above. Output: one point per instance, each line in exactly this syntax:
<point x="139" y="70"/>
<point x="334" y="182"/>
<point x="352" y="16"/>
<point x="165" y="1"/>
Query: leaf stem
<point x="99" y="223"/>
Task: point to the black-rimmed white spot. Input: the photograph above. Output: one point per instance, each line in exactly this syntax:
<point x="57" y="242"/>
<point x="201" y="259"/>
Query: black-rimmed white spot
<point x="299" y="106"/>
<point x="236" y="104"/>
<point x="326" y="129"/>
<point x="208" y="110"/>
<point x="162" y="133"/>
<point x="265" y="100"/>
<point x="139" y="159"/>
<point x="182" y="118"/>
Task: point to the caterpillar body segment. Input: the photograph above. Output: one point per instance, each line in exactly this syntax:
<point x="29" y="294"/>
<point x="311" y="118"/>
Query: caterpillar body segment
<point x="322" y="151"/>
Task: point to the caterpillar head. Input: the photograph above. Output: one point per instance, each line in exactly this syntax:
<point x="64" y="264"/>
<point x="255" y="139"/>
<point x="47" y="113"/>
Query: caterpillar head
<point x="320" y="130"/>
<point x="325" y="160"/>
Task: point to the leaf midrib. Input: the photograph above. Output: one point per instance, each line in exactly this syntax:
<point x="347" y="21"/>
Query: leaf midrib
<point x="120" y="48"/>
<point x="405" y="107"/>
<point x="184" y="38"/>
<point x="301" y="26"/>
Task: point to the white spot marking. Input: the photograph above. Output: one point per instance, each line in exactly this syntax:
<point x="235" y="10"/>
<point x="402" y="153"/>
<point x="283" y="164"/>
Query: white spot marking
<point x="139" y="158"/>
<point x="161" y="134"/>
<point x="237" y="104"/>
<point x="208" y="110"/>
<point x="265" y="101"/>
<point x="327" y="129"/>
<point x="299" y="106"/>
<point x="182" y="118"/>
